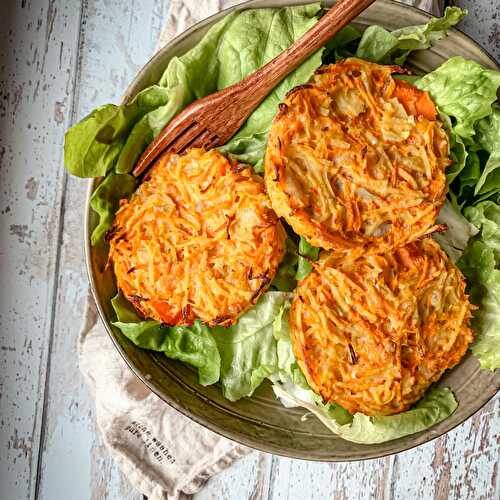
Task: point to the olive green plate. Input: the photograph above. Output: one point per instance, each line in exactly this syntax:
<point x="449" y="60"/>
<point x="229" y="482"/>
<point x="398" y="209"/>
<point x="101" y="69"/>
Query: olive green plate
<point x="261" y="421"/>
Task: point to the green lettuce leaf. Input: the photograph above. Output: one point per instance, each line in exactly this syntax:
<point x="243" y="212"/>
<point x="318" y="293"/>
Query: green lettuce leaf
<point x="342" y="45"/>
<point x="436" y="405"/>
<point x="488" y="130"/>
<point x="285" y="280"/>
<point x="464" y="90"/>
<point x="458" y="155"/>
<point x="264" y="42"/>
<point x="468" y="176"/>
<point x="148" y="127"/>
<point x="240" y="357"/>
<point x="481" y="266"/>
<point x="488" y="137"/>
<point x="84" y="155"/>
<point x="380" y="45"/>
<point x="106" y="199"/>
<point x="376" y="44"/>
<point x="489" y="182"/>
<point x="194" y="345"/>
<point x="248" y="349"/>
<point x="94" y="145"/>
<point x="287" y="365"/>
<point x="486" y="347"/>
<point x="307" y="253"/>
<point x="465" y="93"/>
<point x="481" y="269"/>
<point x="458" y="151"/>
<point x="486" y="216"/>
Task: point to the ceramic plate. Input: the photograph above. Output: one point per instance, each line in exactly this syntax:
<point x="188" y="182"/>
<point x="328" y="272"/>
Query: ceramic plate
<point x="261" y="421"/>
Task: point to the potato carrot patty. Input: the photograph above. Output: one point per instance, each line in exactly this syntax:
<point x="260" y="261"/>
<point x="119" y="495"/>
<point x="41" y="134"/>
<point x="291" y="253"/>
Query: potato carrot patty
<point x="197" y="240"/>
<point x="373" y="334"/>
<point x="356" y="159"/>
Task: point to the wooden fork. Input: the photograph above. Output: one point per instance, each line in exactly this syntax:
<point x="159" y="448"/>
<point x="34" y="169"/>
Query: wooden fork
<point x="213" y="120"/>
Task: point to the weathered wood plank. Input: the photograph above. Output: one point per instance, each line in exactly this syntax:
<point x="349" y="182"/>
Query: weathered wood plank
<point x="116" y="39"/>
<point x="296" y="479"/>
<point x="246" y="479"/>
<point x="74" y="462"/>
<point x="462" y="464"/>
<point x="36" y="60"/>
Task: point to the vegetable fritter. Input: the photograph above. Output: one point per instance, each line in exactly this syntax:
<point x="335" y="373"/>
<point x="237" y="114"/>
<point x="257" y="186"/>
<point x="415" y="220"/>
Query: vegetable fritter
<point x="197" y="240"/>
<point x="373" y="334"/>
<point x="356" y="159"/>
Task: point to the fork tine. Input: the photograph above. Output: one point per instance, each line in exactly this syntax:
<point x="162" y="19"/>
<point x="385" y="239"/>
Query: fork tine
<point x="200" y="140"/>
<point x="212" y="143"/>
<point x="189" y="139"/>
<point x="162" y="142"/>
<point x="206" y="141"/>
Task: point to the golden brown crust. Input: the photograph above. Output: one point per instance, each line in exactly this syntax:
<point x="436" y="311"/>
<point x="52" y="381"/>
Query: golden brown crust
<point x="373" y="334"/>
<point x="197" y="240"/>
<point x="355" y="161"/>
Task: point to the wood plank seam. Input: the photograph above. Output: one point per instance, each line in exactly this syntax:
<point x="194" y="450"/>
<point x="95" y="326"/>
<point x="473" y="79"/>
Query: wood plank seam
<point x="272" y="476"/>
<point x="59" y="231"/>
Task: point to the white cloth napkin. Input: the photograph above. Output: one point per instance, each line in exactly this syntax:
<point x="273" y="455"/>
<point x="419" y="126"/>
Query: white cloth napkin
<point x="164" y="454"/>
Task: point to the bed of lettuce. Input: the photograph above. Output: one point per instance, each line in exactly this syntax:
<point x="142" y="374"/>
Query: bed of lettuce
<point x="108" y="142"/>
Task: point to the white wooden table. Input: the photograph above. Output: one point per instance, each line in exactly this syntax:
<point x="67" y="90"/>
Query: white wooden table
<point x="58" y="60"/>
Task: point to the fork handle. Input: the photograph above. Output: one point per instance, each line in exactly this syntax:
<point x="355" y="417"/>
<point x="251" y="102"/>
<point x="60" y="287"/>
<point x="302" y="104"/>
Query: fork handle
<point x="217" y="117"/>
<point x="262" y="81"/>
